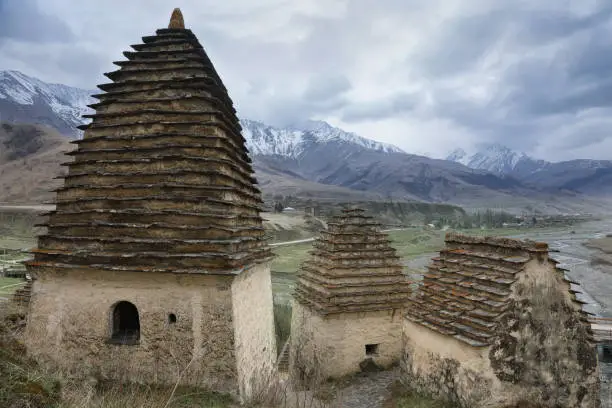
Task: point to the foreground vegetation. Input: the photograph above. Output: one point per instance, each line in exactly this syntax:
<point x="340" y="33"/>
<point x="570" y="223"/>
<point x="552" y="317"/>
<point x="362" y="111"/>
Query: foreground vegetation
<point x="25" y="384"/>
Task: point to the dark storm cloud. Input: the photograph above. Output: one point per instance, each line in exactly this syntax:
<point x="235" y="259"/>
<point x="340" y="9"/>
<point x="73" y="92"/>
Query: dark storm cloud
<point x="459" y="44"/>
<point x="22" y="20"/>
<point x="539" y="93"/>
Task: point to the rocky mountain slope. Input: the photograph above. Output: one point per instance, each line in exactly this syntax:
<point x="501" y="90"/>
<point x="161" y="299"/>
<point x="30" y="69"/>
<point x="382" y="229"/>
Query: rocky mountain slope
<point x="494" y="158"/>
<point x="299" y="138"/>
<point x="318" y="152"/>
<point x="30" y="100"/>
<point x="592" y="177"/>
<point x="311" y="159"/>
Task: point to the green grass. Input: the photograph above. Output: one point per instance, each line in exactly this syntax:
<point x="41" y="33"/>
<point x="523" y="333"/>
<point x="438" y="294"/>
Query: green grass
<point x="289" y="257"/>
<point x="409" y="243"/>
<point x="414" y="242"/>
<point x="8" y="286"/>
<point x="404" y="397"/>
<point x="17" y="230"/>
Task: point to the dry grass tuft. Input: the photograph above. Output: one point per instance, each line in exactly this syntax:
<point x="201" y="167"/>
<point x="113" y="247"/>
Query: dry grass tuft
<point x="21" y="384"/>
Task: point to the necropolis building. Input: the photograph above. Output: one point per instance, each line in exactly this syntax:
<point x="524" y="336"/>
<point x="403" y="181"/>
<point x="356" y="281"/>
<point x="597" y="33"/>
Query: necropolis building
<point x="155" y="258"/>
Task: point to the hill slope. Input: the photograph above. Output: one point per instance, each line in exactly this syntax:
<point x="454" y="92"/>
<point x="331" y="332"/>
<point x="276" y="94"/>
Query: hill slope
<point x="30" y="157"/>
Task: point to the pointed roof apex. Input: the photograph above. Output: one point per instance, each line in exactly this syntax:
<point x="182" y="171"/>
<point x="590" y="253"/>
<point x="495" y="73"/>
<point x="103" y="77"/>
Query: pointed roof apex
<point x="176" y="20"/>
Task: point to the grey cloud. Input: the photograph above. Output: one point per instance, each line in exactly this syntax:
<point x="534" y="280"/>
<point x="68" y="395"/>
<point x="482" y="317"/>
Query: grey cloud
<point x="399" y="104"/>
<point x="558" y="64"/>
<point x="578" y="78"/>
<point x="22" y="20"/>
<point x="538" y="96"/>
<point x="459" y="44"/>
<point x="591" y="59"/>
<point x="591" y="134"/>
<point x="326" y="87"/>
<point x="287" y="112"/>
<point x="543" y="26"/>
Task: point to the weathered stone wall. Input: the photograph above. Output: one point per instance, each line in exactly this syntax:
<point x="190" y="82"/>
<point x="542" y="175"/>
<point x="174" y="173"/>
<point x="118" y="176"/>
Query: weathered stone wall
<point x="540" y="354"/>
<point x="254" y="329"/>
<point x="69" y="324"/>
<point x="338" y="341"/>
<point x="542" y="350"/>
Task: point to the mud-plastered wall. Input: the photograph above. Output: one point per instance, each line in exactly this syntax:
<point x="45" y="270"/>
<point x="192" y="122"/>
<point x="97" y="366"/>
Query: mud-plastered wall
<point x="70" y="325"/>
<point x="254" y="330"/>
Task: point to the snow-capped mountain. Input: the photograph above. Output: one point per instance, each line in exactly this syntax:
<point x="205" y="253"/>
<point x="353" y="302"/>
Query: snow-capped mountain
<point x="292" y="141"/>
<point x="27" y="99"/>
<point x="315" y="151"/>
<point x="493" y="158"/>
<point x="583" y="175"/>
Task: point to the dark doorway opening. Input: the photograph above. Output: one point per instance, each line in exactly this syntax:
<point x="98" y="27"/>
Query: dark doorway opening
<point x="171" y="318"/>
<point x="371" y="349"/>
<point x="126" y="324"/>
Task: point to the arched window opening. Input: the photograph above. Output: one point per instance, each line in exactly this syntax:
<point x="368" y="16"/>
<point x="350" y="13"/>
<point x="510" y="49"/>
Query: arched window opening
<point x="171" y="318"/>
<point x="125" y="324"/>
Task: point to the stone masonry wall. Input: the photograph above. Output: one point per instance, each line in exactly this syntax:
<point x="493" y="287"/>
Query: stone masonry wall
<point x="69" y="324"/>
<point x="254" y="329"/>
<point x="541" y="352"/>
<point x="340" y="342"/>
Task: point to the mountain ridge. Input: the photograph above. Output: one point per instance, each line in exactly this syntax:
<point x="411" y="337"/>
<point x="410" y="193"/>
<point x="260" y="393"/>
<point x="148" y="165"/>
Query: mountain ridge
<point x="312" y="158"/>
<point x="580" y="175"/>
<point x="27" y="99"/>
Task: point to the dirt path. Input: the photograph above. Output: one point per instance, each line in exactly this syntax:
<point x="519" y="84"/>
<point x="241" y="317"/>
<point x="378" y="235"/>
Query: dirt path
<point x="368" y="390"/>
<point x="297" y="241"/>
<point x="300" y="241"/>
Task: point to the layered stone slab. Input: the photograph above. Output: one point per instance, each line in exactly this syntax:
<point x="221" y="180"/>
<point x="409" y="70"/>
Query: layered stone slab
<point x="154" y="267"/>
<point x="468" y="287"/>
<point x="161" y="180"/>
<point x="352" y="268"/>
<point x="496" y="323"/>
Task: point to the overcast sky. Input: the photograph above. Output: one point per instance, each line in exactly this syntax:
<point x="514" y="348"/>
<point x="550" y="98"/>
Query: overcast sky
<point x="426" y="75"/>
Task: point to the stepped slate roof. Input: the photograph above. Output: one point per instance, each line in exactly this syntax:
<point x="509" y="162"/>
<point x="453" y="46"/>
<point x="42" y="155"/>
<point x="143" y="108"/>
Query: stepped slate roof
<point x="467" y="287"/>
<point x="161" y="180"/>
<point x="352" y="269"/>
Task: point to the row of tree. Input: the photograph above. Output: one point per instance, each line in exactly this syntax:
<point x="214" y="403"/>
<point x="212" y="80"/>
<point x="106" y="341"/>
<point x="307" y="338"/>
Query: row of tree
<point x="487" y="218"/>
